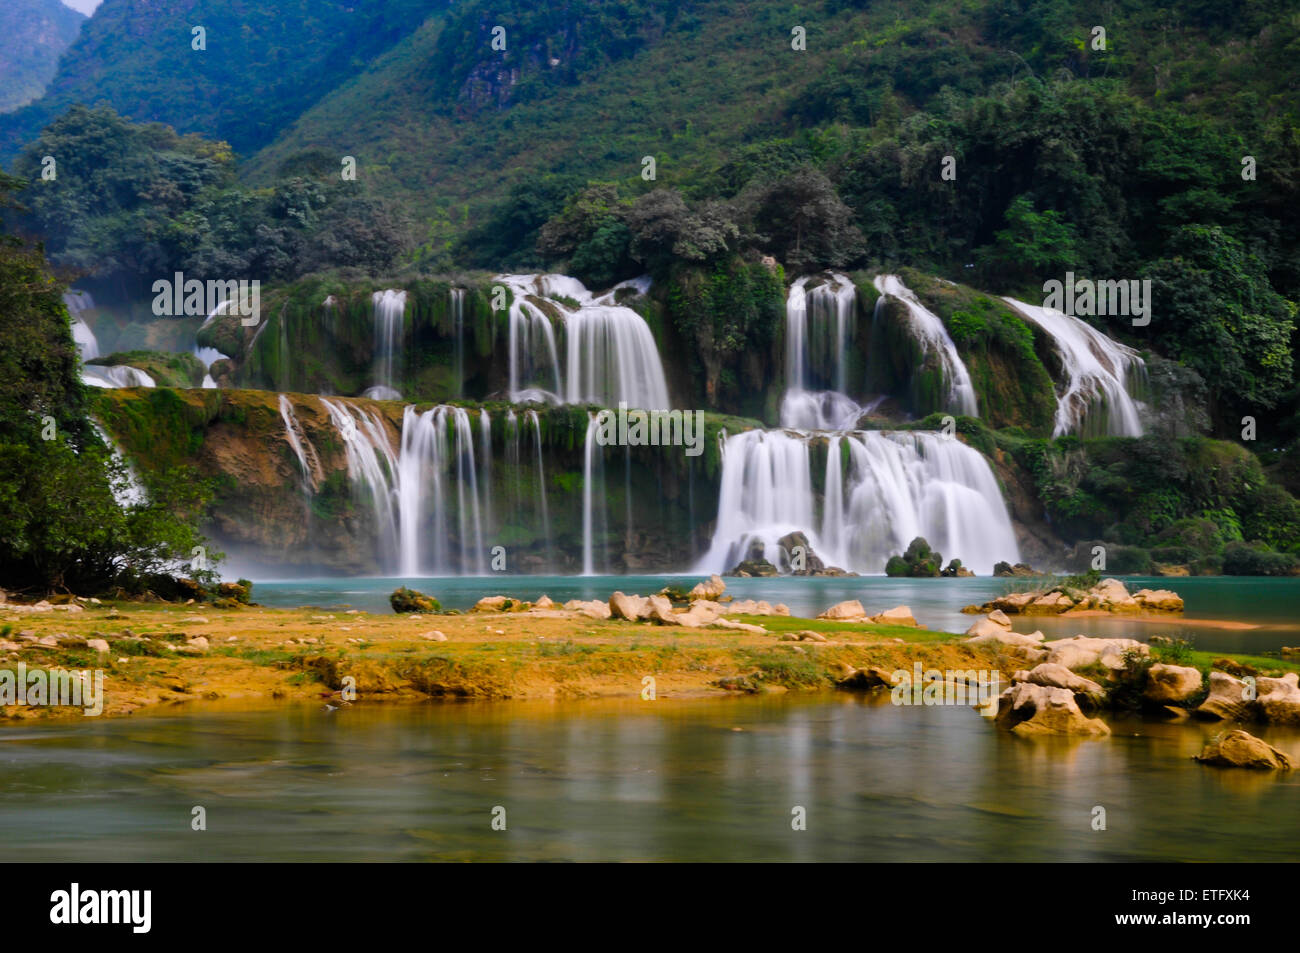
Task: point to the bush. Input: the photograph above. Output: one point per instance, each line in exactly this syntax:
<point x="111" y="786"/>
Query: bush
<point x="1256" y="559"/>
<point x="408" y="600"/>
<point x="919" y="561"/>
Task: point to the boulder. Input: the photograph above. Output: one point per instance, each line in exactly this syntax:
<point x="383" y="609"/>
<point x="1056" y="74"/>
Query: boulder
<point x="750" y="607"/>
<point x="1158" y="600"/>
<point x="701" y="612"/>
<point x="1031" y="645"/>
<point x="848" y="611"/>
<point x="545" y="602"/>
<point x="998" y="617"/>
<point x="433" y="636"/>
<point x="627" y="607"/>
<point x="1227" y="700"/>
<point x="1051" y="675"/>
<point x="493" y="604"/>
<point x="1279" y="699"/>
<point x="1170" y="684"/>
<point x="199" y="642"/>
<point x="99" y="645"/>
<point x="659" y="609"/>
<point x="1240" y="749"/>
<point x="1052" y="602"/>
<point x="899" y="615"/>
<point x="1029" y="709"/>
<point x="711" y="589"/>
<point x="1081" y="651"/>
<point x="724" y="623"/>
<point x="595" y="609"/>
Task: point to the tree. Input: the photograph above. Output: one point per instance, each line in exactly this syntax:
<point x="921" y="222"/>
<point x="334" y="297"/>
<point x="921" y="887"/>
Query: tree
<point x="801" y="219"/>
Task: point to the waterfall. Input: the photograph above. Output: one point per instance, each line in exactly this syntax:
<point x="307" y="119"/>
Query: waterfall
<point x="819" y="316"/>
<point x="1097" y="374"/>
<point x="533" y="358"/>
<point x="458" y="322"/>
<point x="389" y="314"/>
<point x="933" y="337"/>
<point x="78" y="302"/>
<point x="818" y="320"/>
<point x="208" y="356"/>
<point x="467" y="488"/>
<point x="610" y="353"/>
<point x="131" y="491"/>
<point x="371" y="468"/>
<point x="894" y="487"/>
<point x="541" y="485"/>
<point x="308" y="461"/>
<point x="589" y="453"/>
<point x="485" y="433"/>
<point x="115" y="375"/>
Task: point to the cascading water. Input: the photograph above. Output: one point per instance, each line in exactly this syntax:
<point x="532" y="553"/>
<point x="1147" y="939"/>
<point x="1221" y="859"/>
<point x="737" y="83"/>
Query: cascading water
<point x="541" y="484"/>
<point x="308" y="461"/>
<point x="590" y="453"/>
<point x="130" y="491"/>
<point x="894" y="487"/>
<point x="389" y="315"/>
<point x="1098" y="373"/>
<point x="933" y="337"/>
<point x="610" y="353"/>
<point x="371" y="468"/>
<point x="115" y="375"/>
<point x="208" y="356"/>
<point x="77" y="303"/>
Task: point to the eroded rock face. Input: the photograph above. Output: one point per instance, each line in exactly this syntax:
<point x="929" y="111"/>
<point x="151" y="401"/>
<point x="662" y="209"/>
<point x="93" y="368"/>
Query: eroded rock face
<point x="1228" y="700"/>
<point x="848" y="611"/>
<point x="1029" y="709"/>
<point x="1240" y="749"/>
<point x="1170" y="684"/>
<point x="750" y="607"/>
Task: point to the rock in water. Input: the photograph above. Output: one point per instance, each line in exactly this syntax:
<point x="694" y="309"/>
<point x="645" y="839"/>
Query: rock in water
<point x="408" y="600"/>
<point x="1279" y="699"/>
<point x="711" y="589"/>
<point x="1169" y="684"/>
<point x="848" y="611"/>
<point x="1241" y="749"/>
<point x="899" y="615"/>
<point x="1029" y="709"/>
<point x="1227" y="701"/>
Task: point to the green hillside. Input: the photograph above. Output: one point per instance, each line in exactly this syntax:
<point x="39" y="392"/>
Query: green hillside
<point x="33" y="35"/>
<point x="264" y="63"/>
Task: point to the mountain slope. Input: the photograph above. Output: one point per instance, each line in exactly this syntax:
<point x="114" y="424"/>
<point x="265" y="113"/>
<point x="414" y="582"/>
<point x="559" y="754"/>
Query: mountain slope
<point x="33" y="35"/>
<point x="453" y="125"/>
<point x="264" y="63"/>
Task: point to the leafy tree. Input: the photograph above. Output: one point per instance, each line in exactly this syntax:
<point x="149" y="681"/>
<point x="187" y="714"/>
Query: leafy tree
<point x="801" y="219"/>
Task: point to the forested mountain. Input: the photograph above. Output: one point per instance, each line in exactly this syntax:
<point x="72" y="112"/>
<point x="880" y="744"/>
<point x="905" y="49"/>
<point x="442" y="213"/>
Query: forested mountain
<point x="254" y="68"/>
<point x="33" y="35"/>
